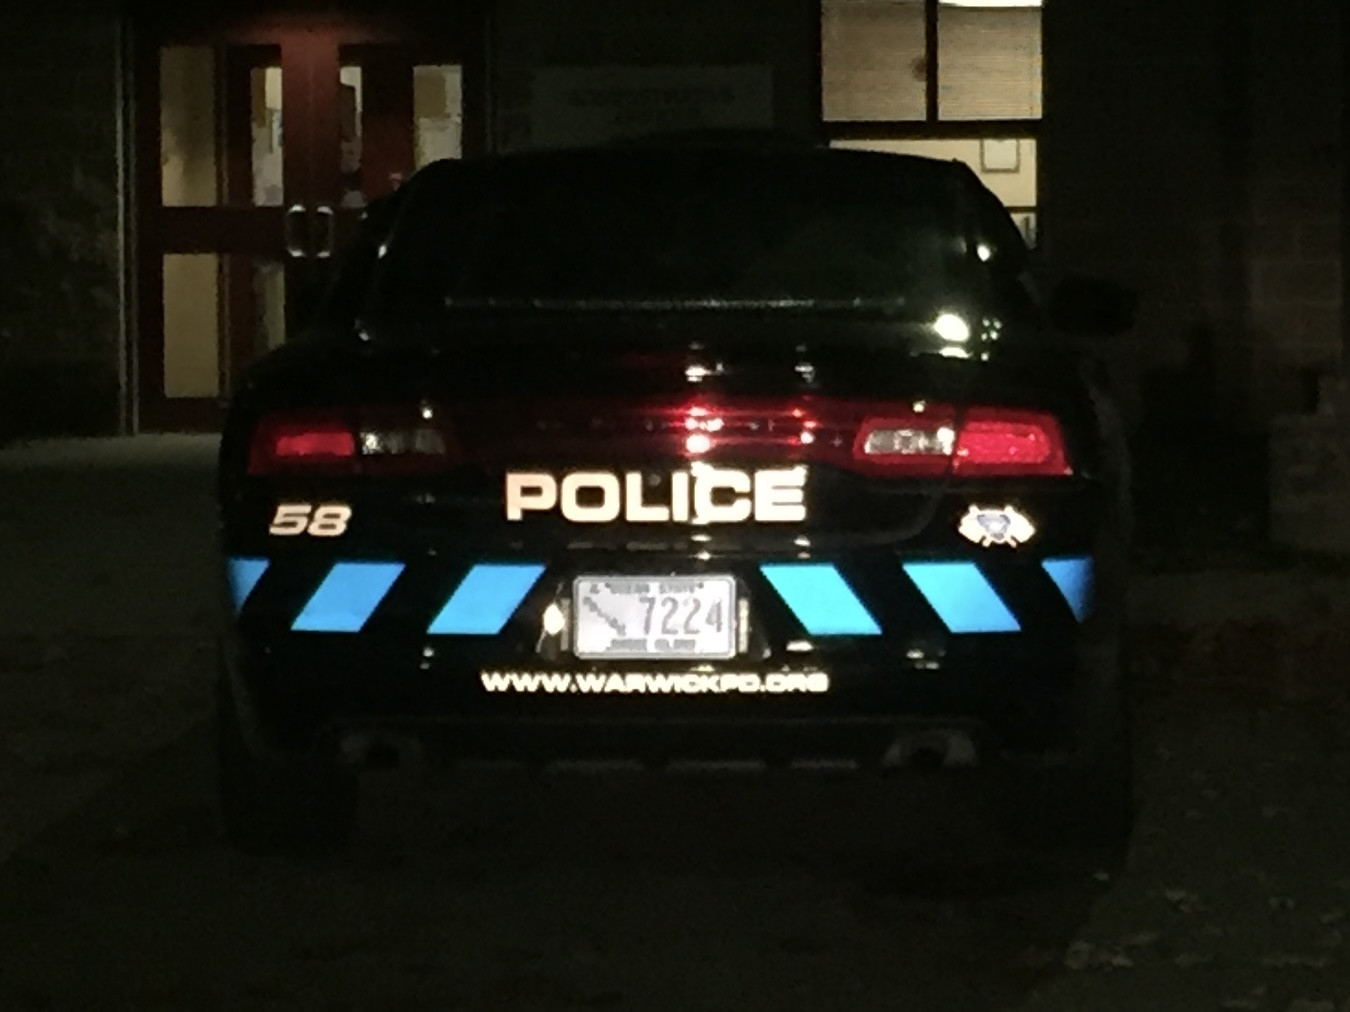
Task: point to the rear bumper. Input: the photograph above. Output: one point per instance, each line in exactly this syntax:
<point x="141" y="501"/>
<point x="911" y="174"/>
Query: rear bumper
<point x="315" y="692"/>
<point x="993" y="654"/>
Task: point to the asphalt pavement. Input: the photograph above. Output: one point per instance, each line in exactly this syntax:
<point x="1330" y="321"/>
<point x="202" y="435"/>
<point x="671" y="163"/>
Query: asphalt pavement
<point x="500" y="892"/>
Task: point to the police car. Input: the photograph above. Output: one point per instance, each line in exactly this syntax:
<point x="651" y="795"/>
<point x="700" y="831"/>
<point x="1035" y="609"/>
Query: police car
<point x="678" y="453"/>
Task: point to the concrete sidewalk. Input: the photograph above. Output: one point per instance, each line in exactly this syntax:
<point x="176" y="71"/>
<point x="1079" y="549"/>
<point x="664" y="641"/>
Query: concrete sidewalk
<point x="112" y="537"/>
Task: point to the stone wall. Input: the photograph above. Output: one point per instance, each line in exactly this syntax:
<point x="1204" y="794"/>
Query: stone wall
<point x="60" y="333"/>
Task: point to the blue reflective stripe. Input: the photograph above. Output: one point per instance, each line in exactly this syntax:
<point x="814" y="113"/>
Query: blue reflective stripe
<point x="347" y="597"/>
<point x="485" y="599"/>
<point x="243" y="575"/>
<point x="962" y="597"/>
<point x="821" y="599"/>
<point x="1073" y="577"/>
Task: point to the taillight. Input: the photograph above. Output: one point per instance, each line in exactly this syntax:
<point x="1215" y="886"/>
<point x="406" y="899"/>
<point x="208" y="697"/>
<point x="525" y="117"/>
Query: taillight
<point x="376" y="440"/>
<point x="975" y="442"/>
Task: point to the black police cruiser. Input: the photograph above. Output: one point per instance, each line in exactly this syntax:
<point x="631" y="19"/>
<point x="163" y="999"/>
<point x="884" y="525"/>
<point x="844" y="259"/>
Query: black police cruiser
<point x="677" y="453"/>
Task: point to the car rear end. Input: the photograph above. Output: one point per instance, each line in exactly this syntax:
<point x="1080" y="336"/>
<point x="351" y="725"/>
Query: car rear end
<point x="546" y="516"/>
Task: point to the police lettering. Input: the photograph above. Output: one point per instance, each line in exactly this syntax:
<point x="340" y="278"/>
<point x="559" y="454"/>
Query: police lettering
<point x="702" y="495"/>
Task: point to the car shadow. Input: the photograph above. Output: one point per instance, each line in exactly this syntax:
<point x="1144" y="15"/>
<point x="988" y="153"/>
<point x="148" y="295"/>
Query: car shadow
<point x="506" y="891"/>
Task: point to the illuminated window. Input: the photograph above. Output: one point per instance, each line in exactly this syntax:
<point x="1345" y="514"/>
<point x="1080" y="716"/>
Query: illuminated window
<point x="956" y="79"/>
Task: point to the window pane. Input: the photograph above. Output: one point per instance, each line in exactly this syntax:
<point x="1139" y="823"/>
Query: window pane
<point x="187" y="119"/>
<point x="350" y="104"/>
<point x="989" y="62"/>
<point x="192" y="324"/>
<point x="437" y="114"/>
<point x="220" y="127"/>
<point x="679" y="231"/>
<point x="266" y="87"/>
<point x="269" y="305"/>
<point x="872" y="59"/>
<point x="1006" y="165"/>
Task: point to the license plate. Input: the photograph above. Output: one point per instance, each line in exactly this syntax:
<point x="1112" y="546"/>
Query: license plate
<point x="654" y="617"/>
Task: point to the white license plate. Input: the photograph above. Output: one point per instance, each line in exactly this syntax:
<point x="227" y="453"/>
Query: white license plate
<point x="654" y="617"/>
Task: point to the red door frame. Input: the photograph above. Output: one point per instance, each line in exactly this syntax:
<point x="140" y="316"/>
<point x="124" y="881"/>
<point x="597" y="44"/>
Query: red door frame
<point x="311" y="49"/>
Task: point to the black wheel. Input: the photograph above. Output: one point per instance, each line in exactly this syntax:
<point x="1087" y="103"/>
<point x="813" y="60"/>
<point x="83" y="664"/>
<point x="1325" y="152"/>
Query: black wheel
<point x="302" y="806"/>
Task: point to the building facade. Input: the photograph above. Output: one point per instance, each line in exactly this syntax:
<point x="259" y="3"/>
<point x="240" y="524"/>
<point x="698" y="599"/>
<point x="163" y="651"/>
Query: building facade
<point x="175" y="176"/>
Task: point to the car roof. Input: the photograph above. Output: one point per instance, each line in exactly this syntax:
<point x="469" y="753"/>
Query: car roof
<point x="710" y="154"/>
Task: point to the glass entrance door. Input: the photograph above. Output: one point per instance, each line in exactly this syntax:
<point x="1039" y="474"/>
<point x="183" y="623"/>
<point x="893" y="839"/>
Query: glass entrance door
<point x="264" y="143"/>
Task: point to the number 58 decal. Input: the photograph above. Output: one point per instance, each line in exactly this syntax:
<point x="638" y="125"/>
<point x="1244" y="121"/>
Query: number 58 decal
<point x="324" y="520"/>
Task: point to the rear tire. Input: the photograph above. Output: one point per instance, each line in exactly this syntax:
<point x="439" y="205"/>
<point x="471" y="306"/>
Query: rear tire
<point x="303" y="806"/>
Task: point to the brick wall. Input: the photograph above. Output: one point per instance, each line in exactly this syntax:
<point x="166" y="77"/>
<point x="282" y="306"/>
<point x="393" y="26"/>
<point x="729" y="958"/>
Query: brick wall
<point x="1297" y="273"/>
<point x="59" y="248"/>
<point x="1294" y="245"/>
<point x="1191" y="148"/>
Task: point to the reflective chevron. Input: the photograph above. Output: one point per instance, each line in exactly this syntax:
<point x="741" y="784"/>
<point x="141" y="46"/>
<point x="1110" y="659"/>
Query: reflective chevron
<point x="816" y="593"/>
<point x="242" y="575"/>
<point x="1073" y="577"/>
<point x="485" y="599"/>
<point x="962" y="597"/>
<point x="347" y="597"/>
<point x="821" y="599"/>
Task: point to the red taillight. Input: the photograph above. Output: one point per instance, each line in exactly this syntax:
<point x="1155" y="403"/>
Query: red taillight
<point x="309" y="445"/>
<point x="991" y="442"/>
<point x="380" y="440"/>
<point x="979" y="441"/>
<point x="309" y="442"/>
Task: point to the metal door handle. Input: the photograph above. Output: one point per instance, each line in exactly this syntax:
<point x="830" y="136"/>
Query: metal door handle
<point x="328" y="219"/>
<point x="294" y="249"/>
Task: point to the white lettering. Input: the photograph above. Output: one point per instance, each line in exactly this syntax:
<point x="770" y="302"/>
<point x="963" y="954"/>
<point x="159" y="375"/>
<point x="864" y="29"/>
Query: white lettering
<point x="611" y="497"/>
<point x="635" y="510"/>
<point x="527" y="490"/>
<point x="780" y="496"/>
<point x="679" y="497"/>
<point x="731" y="683"/>
<point x="703" y="495"/>
<point x="708" y="481"/>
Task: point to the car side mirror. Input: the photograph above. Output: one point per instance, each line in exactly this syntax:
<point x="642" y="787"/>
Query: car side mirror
<point x="1092" y="307"/>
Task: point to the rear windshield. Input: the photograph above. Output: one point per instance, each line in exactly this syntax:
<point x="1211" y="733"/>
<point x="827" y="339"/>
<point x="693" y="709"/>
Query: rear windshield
<point x="633" y="231"/>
